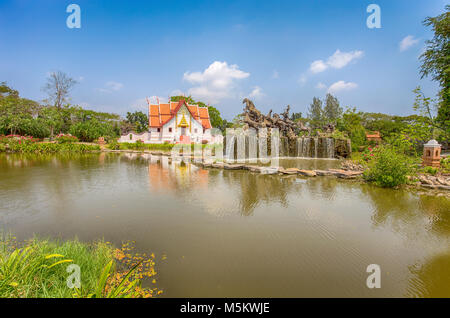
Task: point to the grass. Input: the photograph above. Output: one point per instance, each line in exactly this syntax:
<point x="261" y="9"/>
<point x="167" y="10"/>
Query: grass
<point x="143" y="146"/>
<point x="38" y="269"/>
<point x="48" y="147"/>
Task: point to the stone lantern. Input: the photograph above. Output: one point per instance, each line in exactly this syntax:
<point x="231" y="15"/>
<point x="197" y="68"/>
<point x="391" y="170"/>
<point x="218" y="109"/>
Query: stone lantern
<point x="432" y="154"/>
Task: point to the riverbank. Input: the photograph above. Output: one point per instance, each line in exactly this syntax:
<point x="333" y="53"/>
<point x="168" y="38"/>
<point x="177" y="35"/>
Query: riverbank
<point x="351" y="169"/>
<point x="44" y="268"/>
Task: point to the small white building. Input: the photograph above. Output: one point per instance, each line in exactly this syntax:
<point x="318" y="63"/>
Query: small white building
<point x="176" y="122"/>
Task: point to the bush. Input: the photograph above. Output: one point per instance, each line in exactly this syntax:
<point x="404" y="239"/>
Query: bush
<point x="114" y="145"/>
<point x="91" y="130"/>
<point x="389" y="168"/>
<point x="51" y="147"/>
<point x="430" y="170"/>
<point x="62" y="139"/>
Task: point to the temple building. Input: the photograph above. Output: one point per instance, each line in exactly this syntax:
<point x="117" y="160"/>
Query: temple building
<point x="176" y="122"/>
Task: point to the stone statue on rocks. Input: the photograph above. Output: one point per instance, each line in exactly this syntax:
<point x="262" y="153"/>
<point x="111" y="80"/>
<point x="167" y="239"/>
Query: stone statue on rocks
<point x="255" y="119"/>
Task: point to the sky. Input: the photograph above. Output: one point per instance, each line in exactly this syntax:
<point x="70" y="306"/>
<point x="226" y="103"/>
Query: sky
<point x="274" y="52"/>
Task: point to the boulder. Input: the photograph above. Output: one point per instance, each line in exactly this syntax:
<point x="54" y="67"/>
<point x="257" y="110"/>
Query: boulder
<point x="323" y="172"/>
<point x="268" y="170"/>
<point x="307" y="173"/>
<point x="289" y="170"/>
<point x="344" y="174"/>
<point x="253" y="168"/>
<point x="217" y="165"/>
<point x="233" y="167"/>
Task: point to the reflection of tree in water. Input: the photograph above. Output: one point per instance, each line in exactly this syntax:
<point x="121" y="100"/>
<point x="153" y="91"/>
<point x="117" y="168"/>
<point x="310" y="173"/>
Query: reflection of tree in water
<point x="51" y="177"/>
<point x="437" y="210"/>
<point x="324" y="187"/>
<point x="256" y="188"/>
<point x="431" y="279"/>
<point x="408" y="212"/>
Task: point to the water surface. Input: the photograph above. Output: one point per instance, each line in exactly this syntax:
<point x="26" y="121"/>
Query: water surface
<point x="235" y="233"/>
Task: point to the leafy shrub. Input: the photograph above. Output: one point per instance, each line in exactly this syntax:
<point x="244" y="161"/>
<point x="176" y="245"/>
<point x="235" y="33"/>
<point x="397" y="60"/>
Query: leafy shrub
<point x="430" y="170"/>
<point x="389" y="168"/>
<point x="114" y="145"/>
<point x="445" y="163"/>
<point x="91" y="130"/>
<point x="51" y="147"/>
<point x="62" y="139"/>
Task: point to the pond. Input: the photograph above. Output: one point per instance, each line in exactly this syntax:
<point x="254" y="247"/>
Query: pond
<point x="235" y="233"/>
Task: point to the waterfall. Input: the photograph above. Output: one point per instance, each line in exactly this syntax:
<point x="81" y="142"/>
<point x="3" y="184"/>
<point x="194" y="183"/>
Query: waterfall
<point x="299" y="147"/>
<point x="306" y="143"/>
<point x="316" y="146"/>
<point x="330" y="147"/>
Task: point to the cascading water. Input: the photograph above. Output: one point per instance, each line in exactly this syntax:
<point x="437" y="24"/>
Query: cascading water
<point x="316" y="146"/>
<point x="306" y="144"/>
<point x="330" y="147"/>
<point x="299" y="147"/>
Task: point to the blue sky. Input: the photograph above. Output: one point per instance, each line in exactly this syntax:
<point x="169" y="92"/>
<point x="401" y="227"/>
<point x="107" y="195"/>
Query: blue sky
<point x="275" y="52"/>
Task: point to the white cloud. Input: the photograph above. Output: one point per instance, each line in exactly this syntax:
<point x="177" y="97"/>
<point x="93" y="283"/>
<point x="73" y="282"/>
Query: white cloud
<point x="337" y="60"/>
<point x="321" y="85"/>
<point x="341" y="86"/>
<point x="407" y="42"/>
<point x="214" y="83"/>
<point x="256" y="93"/>
<point x="110" y="87"/>
<point x="318" y="66"/>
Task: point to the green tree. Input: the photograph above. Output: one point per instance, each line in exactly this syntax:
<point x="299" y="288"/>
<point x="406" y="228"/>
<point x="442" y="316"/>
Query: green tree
<point x="315" y="113"/>
<point x="52" y="118"/>
<point x="296" y="116"/>
<point x="91" y="130"/>
<point x="332" y="111"/>
<point x="351" y="123"/>
<point x="139" y="120"/>
<point x="436" y="62"/>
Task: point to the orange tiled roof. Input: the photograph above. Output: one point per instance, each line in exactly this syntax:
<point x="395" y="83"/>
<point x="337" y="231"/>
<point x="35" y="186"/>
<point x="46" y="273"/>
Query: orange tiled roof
<point x="160" y="114"/>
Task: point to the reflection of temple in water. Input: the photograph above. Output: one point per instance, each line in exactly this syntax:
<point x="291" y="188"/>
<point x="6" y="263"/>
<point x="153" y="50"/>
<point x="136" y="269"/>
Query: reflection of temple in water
<point x="165" y="174"/>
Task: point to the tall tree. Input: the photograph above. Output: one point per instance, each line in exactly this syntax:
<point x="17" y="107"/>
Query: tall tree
<point x="315" y="112"/>
<point x="436" y="62"/>
<point x="332" y="111"/>
<point x="58" y="88"/>
<point x="139" y="120"/>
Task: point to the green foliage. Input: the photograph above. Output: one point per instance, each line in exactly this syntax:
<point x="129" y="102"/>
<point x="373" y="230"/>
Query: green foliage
<point x="445" y="164"/>
<point x="143" y="146"/>
<point x="332" y="111"/>
<point x="113" y="145"/>
<point x="139" y="120"/>
<point x="315" y="113"/>
<point x="436" y="63"/>
<point x="26" y="117"/>
<point x="51" y="147"/>
<point x="351" y="123"/>
<point x="389" y="168"/>
<point x="38" y="269"/>
<point x="62" y="139"/>
<point x="91" y="130"/>
<point x="430" y="170"/>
